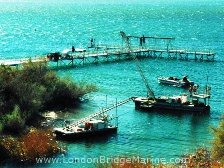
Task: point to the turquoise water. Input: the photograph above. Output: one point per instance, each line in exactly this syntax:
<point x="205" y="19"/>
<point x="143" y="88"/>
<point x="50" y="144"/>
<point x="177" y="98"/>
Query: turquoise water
<point x="30" y="29"/>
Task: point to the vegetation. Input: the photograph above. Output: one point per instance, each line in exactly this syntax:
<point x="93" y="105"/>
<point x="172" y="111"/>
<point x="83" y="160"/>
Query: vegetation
<point x="129" y="162"/>
<point x="25" y="92"/>
<point x="13" y="121"/>
<point x="202" y="158"/>
<point x="218" y="143"/>
<point x="36" y="143"/>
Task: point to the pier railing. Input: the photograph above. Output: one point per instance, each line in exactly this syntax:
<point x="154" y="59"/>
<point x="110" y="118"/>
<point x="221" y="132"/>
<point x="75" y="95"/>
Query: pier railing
<point x="116" y="53"/>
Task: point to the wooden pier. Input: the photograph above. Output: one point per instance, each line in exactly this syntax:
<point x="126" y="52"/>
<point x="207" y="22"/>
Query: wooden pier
<point x="75" y="60"/>
<point x="90" y="57"/>
<point x="98" y="54"/>
<point x="145" y="49"/>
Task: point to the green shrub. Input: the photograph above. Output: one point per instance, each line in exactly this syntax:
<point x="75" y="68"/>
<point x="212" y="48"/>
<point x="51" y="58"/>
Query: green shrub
<point x="67" y="93"/>
<point x="32" y="89"/>
<point x="1" y="127"/>
<point x="13" y="122"/>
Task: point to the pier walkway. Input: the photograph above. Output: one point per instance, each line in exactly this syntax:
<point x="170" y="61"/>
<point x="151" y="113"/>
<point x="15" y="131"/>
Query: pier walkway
<point x="117" y="54"/>
<point x="146" y="48"/>
<point x="113" y="55"/>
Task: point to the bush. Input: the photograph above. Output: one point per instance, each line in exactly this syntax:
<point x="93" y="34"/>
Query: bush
<point x="1" y="127"/>
<point x="38" y="143"/>
<point x="13" y="121"/>
<point x="7" y="146"/>
<point x="218" y="142"/>
<point x="35" y="144"/>
<point x="67" y="93"/>
<point x="32" y="89"/>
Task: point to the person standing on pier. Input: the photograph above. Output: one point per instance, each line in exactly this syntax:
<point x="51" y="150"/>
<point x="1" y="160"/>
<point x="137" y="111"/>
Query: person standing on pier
<point x="73" y="49"/>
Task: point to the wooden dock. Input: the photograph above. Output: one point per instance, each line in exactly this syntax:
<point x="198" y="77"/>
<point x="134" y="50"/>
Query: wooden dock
<point x="74" y="57"/>
<point x="95" y="57"/>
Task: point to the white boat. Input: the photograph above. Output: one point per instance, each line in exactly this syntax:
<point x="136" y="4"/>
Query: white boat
<point x="69" y="51"/>
<point x="174" y="81"/>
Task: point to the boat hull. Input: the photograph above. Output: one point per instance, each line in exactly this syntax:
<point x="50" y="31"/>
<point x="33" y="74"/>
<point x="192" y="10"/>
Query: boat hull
<point x="177" y="83"/>
<point x="85" y="134"/>
<point x="172" y="109"/>
<point x="149" y="105"/>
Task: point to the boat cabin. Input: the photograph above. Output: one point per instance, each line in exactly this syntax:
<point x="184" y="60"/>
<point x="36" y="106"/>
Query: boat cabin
<point x="68" y="52"/>
<point x="198" y="98"/>
<point x="94" y="125"/>
<point x="182" y="99"/>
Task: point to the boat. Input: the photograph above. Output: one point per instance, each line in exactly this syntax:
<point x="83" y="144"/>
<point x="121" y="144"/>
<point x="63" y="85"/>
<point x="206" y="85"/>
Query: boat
<point x="87" y="129"/>
<point x="69" y="52"/>
<point x="175" y="81"/>
<point x="196" y="103"/>
<point x="95" y="125"/>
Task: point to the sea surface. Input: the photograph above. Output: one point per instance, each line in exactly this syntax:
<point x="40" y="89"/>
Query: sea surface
<point x="29" y="29"/>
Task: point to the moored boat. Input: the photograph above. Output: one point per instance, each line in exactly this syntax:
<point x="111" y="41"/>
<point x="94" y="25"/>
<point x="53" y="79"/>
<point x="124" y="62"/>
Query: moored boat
<point x="91" y="128"/>
<point x="95" y="125"/>
<point x="175" y="81"/>
<point x="197" y="103"/>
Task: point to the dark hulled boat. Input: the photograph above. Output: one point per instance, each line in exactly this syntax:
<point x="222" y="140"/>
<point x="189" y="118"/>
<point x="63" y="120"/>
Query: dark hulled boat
<point x="95" y="125"/>
<point x="91" y="128"/>
<point x="196" y="104"/>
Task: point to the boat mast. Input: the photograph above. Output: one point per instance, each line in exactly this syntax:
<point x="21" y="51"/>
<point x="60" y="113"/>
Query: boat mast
<point x="116" y="115"/>
<point x="207" y="90"/>
<point x="150" y="93"/>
